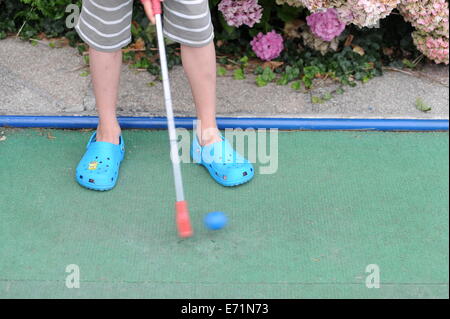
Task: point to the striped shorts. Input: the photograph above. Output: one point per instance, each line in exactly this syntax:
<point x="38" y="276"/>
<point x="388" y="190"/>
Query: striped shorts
<point x="105" y="25"/>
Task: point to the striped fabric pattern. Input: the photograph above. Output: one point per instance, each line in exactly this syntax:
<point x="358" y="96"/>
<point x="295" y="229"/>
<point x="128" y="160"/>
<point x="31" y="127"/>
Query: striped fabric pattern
<point x="188" y="22"/>
<point x="106" y="24"/>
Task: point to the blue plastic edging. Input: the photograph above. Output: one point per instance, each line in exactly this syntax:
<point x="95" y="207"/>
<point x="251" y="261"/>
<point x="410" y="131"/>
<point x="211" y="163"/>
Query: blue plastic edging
<point x="78" y="122"/>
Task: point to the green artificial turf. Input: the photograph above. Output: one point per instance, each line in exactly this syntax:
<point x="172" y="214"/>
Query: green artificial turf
<point x="338" y="202"/>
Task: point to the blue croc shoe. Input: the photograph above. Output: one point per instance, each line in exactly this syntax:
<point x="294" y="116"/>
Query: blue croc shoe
<point x="226" y="166"/>
<point x="99" y="167"/>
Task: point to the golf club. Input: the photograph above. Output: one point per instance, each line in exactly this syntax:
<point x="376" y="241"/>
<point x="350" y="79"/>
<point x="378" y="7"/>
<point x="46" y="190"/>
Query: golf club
<point x="182" y="211"/>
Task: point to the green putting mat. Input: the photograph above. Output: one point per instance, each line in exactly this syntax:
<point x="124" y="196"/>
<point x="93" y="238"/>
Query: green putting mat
<point x="338" y="202"/>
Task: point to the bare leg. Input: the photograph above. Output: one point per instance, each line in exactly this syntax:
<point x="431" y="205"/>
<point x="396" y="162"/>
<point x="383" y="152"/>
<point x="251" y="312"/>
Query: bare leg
<point x="105" y="70"/>
<point x="200" y="67"/>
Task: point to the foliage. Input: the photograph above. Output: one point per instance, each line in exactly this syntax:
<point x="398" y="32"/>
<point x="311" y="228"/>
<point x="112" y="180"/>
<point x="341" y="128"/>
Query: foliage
<point x="357" y="54"/>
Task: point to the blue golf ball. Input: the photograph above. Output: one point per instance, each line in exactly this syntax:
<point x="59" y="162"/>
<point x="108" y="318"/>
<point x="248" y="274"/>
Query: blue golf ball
<point x="215" y="220"/>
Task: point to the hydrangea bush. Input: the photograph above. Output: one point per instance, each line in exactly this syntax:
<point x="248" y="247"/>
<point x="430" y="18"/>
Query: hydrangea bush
<point x="325" y="24"/>
<point x="327" y="19"/>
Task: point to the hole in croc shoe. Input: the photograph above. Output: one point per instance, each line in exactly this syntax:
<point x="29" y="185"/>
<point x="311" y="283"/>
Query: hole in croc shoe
<point x="81" y="176"/>
<point x="225" y="177"/>
<point x="112" y="178"/>
<point x="107" y="165"/>
<point x="251" y="169"/>
<point x="91" y="180"/>
<point x="108" y="158"/>
<point x="244" y="174"/>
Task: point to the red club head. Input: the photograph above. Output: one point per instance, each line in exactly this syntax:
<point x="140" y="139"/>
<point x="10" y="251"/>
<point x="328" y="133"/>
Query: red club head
<point x="182" y="219"/>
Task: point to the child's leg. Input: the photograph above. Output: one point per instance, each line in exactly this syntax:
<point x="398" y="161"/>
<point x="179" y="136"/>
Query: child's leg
<point x="200" y="67"/>
<point x="189" y="23"/>
<point x="105" y="71"/>
<point x="105" y="26"/>
<point x="228" y="167"/>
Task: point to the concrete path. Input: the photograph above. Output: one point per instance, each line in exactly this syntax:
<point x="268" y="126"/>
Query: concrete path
<point x="39" y="80"/>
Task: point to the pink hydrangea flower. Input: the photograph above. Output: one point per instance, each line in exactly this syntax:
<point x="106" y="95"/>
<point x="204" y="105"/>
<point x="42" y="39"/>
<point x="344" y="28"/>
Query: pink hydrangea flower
<point x="326" y="24"/>
<point x="267" y="46"/>
<point x="427" y="16"/>
<point x="436" y="49"/>
<point x="239" y="12"/>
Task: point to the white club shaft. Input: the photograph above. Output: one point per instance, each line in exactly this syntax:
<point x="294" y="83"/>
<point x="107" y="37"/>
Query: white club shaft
<point x="170" y="120"/>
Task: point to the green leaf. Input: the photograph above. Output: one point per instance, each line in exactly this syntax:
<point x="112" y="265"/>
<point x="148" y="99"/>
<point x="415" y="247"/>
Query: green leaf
<point x="421" y="106"/>
<point x="268" y="75"/>
<point x="292" y="73"/>
<point x="307" y="82"/>
<point x="327" y="96"/>
<point x="259" y="70"/>
<point x="316" y="100"/>
<point x="221" y="71"/>
<point x="340" y="91"/>
<point x="135" y="31"/>
<point x="239" y="74"/>
<point x="358" y="76"/>
<point x="84" y="73"/>
<point x="154" y="69"/>
<point x="260" y="81"/>
<point x="311" y="71"/>
<point x="283" y="80"/>
<point x="128" y="56"/>
<point x="244" y="60"/>
<point x="81" y="48"/>
<point x="408" y="64"/>
<point x="296" y="85"/>
<point x="86" y="59"/>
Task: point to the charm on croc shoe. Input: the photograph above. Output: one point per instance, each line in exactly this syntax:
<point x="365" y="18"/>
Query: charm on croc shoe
<point x="93" y="166"/>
